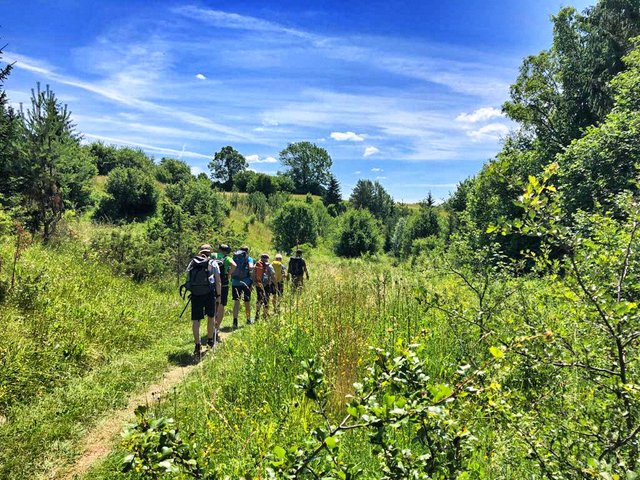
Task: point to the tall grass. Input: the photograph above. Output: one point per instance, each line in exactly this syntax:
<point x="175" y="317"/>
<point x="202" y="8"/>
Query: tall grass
<point x="76" y="341"/>
<point x="243" y="402"/>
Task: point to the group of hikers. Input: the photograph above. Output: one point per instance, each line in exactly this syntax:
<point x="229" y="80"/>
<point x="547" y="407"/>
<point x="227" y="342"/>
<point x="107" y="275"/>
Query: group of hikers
<point x="210" y="274"/>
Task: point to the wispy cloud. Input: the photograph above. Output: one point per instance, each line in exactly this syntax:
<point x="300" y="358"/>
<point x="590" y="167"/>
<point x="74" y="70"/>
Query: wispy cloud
<point x="222" y="19"/>
<point x="480" y="115"/>
<point x="376" y="169"/>
<point x="347" y="136"/>
<point x="370" y="151"/>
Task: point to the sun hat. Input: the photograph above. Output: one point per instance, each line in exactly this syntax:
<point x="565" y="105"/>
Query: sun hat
<point x="264" y="255"/>
<point x="278" y="256"/>
<point x="206" y="248"/>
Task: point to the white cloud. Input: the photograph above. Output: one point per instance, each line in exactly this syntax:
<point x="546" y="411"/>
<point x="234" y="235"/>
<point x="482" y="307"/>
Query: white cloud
<point x="196" y="171"/>
<point x="256" y="159"/>
<point x="491" y="132"/>
<point x="376" y="169"/>
<point x="201" y="76"/>
<point x="347" y="136"/>
<point x="381" y="178"/>
<point x="370" y="151"/>
<point x="480" y="115"/>
<point x="221" y="19"/>
<point x="358" y="172"/>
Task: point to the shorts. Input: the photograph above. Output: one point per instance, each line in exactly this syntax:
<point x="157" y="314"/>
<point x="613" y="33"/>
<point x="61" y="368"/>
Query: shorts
<point x="241" y="289"/>
<point x="224" y="295"/>
<point x="201" y="305"/>
<point x="278" y="288"/>
<point x="263" y="293"/>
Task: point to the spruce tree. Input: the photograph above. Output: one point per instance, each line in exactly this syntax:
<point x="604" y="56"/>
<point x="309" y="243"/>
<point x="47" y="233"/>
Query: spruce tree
<point x="332" y="195"/>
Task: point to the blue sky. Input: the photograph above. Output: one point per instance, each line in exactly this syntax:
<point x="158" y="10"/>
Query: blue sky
<point x="408" y="93"/>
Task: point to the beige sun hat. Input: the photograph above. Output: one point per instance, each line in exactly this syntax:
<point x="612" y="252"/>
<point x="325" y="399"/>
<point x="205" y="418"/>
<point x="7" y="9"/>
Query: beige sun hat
<point x="206" y="248"/>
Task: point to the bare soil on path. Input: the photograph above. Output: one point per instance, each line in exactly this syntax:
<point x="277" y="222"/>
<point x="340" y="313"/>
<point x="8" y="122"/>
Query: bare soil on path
<point x="99" y="441"/>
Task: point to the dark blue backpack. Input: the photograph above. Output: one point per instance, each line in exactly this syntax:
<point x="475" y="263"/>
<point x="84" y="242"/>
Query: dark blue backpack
<point x="242" y="265"/>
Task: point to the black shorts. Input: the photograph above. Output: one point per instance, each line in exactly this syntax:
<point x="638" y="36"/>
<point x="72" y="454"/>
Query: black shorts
<point x="224" y="296"/>
<point x="201" y="305"/>
<point x="241" y="289"/>
<point x="278" y="288"/>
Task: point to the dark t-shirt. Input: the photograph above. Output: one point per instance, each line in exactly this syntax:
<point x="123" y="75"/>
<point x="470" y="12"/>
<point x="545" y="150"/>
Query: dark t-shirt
<point x="297" y="266"/>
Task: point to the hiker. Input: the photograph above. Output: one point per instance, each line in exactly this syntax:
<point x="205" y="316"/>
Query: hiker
<point x="203" y="281"/>
<point x="241" y="284"/>
<point x="280" y="276"/>
<point x="297" y="269"/>
<point x="264" y="276"/>
<point x="227" y="266"/>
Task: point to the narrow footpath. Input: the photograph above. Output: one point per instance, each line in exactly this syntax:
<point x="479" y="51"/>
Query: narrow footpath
<point x="100" y="441"/>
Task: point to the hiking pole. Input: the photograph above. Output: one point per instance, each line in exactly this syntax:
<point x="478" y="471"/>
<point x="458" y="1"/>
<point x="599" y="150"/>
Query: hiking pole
<point x="185" y="306"/>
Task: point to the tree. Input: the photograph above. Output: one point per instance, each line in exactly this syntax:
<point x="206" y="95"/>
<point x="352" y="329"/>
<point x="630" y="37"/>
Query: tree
<point x="309" y="166"/>
<point x="373" y="197"/>
<point x="109" y="157"/>
<point x="226" y="164"/>
<point x="242" y="180"/>
<point x="170" y="170"/>
<point x="131" y="193"/>
<point x="295" y="223"/>
<point x="263" y="183"/>
<point x="53" y="172"/>
<point x="332" y="195"/>
<point x="9" y="134"/>
<point x="358" y="234"/>
<point x="604" y="161"/>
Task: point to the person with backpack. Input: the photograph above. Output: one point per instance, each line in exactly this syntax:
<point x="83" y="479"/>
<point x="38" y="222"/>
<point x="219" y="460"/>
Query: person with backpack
<point x="297" y="270"/>
<point x="241" y="284"/>
<point x="227" y="266"/>
<point x="280" y="275"/>
<point x="264" y="276"/>
<point x="203" y="283"/>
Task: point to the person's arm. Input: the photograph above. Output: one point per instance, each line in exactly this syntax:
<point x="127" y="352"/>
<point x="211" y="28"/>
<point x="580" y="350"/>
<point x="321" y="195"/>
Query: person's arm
<point x="218" y="285"/>
<point x="232" y="267"/>
<point x="304" y="266"/>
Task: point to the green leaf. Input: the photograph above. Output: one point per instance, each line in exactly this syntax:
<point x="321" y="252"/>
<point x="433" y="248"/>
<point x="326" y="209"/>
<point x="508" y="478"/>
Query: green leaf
<point x="496" y="353"/>
<point x="331" y="442"/>
<point x="279" y="452"/>
<point x="440" y="391"/>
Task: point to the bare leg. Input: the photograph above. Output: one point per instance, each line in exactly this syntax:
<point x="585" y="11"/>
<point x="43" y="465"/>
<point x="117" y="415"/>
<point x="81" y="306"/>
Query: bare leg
<point x="195" y="324"/>
<point x="247" y="308"/>
<point x="219" y="316"/>
<point x="210" y="326"/>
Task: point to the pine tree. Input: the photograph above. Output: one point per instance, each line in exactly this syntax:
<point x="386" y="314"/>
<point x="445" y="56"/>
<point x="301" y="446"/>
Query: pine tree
<point x="332" y="195"/>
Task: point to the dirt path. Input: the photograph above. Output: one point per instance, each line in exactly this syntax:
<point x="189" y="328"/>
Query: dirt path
<point x="99" y="442"/>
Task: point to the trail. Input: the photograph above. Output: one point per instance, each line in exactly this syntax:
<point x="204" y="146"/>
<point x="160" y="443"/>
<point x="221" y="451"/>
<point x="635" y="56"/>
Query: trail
<point x="99" y="442"/>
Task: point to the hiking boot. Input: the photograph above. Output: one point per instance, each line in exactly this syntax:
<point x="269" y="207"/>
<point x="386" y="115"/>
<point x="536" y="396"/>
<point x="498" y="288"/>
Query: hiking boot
<point x="250" y="321"/>
<point x="211" y="341"/>
<point x="196" y="350"/>
<point x="235" y="323"/>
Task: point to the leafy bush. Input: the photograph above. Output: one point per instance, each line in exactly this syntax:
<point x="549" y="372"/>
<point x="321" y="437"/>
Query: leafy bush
<point x="128" y="253"/>
<point x="110" y="157"/>
<point x="359" y="233"/>
<point x="198" y="199"/>
<point x="131" y="192"/>
<point x="262" y="183"/>
<point x="157" y="448"/>
<point x="257" y="203"/>
<point x="170" y="170"/>
<point x="293" y="224"/>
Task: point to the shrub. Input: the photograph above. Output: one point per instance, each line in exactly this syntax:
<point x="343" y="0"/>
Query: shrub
<point x="359" y="233"/>
<point x="170" y="170"/>
<point x="293" y="224"/>
<point x="262" y="183"/>
<point x="131" y="192"/>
